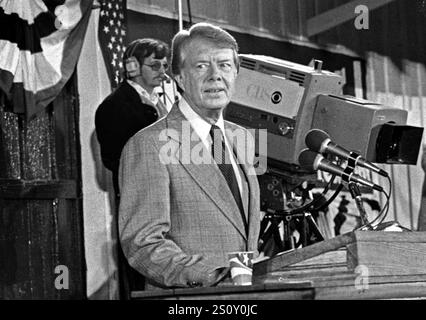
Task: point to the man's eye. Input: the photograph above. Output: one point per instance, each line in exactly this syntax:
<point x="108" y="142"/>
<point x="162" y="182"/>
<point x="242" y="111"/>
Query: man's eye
<point x="226" y="66"/>
<point x="202" y="66"/>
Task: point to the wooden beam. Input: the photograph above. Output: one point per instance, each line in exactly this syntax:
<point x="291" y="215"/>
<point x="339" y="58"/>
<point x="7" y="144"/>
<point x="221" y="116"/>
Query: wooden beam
<point x="18" y="189"/>
<point x="226" y="290"/>
<point x="334" y="17"/>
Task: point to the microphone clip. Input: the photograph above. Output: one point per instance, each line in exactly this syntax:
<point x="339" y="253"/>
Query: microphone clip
<point x="347" y="173"/>
<point x="353" y="159"/>
<point x="350" y="166"/>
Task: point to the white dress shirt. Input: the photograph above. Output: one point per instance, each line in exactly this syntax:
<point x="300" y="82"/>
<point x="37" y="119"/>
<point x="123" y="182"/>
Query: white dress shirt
<point x="152" y="98"/>
<point x="202" y="128"/>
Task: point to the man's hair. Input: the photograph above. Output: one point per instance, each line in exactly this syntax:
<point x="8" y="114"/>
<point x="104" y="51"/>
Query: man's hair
<point x="142" y="48"/>
<point x="205" y="31"/>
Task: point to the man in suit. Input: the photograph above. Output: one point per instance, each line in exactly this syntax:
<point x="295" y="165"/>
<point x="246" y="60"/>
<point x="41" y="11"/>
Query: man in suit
<point x="188" y="197"/>
<point x="134" y="104"/>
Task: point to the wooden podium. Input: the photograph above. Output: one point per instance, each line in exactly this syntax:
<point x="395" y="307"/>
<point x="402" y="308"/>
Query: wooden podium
<point x="356" y="265"/>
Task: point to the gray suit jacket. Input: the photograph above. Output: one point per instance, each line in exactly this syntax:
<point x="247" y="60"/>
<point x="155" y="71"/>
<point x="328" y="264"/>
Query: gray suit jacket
<point x="177" y="217"/>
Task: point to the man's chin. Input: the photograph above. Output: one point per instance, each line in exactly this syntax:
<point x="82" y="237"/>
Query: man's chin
<point x="216" y="105"/>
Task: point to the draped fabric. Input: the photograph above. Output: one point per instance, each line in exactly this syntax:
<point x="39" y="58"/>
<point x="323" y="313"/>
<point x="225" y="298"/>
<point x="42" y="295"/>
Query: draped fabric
<point x="40" y="43"/>
<point x="112" y="37"/>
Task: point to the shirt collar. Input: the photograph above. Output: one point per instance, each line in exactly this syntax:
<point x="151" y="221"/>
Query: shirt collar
<point x="153" y="97"/>
<point x="200" y="126"/>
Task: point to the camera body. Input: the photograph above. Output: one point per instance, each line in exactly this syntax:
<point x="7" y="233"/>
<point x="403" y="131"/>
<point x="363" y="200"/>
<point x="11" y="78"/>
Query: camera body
<point x="289" y="99"/>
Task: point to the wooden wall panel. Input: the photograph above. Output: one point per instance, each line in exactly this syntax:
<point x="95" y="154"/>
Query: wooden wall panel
<point x="40" y="202"/>
<point x="14" y="245"/>
<point x="41" y="240"/>
<point x="271" y="13"/>
<point x="257" y="15"/>
<point x="38" y="236"/>
<point x="37" y="162"/>
<point x="65" y="145"/>
<point x="165" y="4"/>
<point x="247" y="16"/>
<point x="70" y="245"/>
<point x="293" y="27"/>
<point x="10" y="148"/>
<point x="207" y="10"/>
<point x="323" y="6"/>
<point x="230" y="12"/>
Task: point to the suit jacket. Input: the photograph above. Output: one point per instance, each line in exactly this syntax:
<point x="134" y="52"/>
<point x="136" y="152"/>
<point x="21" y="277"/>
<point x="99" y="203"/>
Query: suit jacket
<point x="178" y="218"/>
<point x="117" y="118"/>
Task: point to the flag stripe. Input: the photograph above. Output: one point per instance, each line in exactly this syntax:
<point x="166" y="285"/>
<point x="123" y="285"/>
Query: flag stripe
<point x="9" y="56"/>
<point x="24" y="10"/>
<point x="32" y="69"/>
<point x="26" y="36"/>
<point x="15" y="30"/>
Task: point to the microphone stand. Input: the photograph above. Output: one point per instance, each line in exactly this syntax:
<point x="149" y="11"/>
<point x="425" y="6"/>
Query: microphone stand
<point x="356" y="195"/>
<point x="355" y="192"/>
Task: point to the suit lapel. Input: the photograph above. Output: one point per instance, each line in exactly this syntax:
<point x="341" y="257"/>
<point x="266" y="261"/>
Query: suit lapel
<point x="244" y="153"/>
<point x="206" y="175"/>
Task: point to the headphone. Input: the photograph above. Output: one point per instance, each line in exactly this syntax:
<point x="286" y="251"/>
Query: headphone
<point x="131" y="64"/>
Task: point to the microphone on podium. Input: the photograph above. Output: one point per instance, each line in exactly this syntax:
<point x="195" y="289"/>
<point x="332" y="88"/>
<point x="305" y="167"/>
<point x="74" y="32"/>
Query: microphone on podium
<point x="319" y="141"/>
<point x="315" y="161"/>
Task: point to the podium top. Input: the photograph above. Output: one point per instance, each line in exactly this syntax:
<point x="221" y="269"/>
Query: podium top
<point x="289" y="258"/>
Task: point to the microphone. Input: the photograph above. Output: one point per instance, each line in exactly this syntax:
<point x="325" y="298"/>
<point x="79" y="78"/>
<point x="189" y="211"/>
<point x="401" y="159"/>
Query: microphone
<point x="319" y="141"/>
<point x="165" y="77"/>
<point x="315" y="161"/>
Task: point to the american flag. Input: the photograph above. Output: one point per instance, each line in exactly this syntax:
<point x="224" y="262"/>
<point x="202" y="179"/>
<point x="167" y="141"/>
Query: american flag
<point x="112" y="37"/>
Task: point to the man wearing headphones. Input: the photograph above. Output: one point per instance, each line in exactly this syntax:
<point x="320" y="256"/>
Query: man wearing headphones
<point x="134" y="105"/>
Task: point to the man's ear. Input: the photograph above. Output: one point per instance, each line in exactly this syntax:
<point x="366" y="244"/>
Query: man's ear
<point x="179" y="81"/>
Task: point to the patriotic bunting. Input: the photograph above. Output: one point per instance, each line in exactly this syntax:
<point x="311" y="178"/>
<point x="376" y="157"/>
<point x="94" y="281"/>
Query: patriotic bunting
<point x="40" y="43"/>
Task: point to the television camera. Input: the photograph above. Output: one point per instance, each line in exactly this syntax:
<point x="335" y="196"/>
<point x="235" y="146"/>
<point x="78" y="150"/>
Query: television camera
<point x="290" y="101"/>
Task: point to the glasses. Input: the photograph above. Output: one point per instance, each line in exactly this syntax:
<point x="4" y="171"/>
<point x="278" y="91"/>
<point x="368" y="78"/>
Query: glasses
<point x="156" y="66"/>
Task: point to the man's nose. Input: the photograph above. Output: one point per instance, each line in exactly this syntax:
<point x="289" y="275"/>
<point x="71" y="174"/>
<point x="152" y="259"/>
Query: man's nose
<point x="215" y="73"/>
